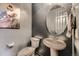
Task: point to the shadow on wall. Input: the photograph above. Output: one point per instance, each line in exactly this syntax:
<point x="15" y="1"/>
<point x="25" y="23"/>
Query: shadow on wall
<point x="38" y="20"/>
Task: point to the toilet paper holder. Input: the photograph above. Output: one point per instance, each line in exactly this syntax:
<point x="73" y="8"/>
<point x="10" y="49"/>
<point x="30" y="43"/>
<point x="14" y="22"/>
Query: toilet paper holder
<point x="10" y="44"/>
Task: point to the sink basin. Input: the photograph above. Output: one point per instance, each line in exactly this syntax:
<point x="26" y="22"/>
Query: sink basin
<point x="54" y="43"/>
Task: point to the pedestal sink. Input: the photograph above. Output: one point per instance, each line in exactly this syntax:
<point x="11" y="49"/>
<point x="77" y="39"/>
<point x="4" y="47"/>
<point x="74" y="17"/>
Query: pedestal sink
<point x="54" y="44"/>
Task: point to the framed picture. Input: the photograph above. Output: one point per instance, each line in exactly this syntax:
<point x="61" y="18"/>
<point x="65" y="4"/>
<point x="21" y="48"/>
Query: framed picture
<point x="9" y="16"/>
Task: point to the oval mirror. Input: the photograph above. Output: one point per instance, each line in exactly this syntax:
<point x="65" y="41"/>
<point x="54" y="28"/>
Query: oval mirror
<point x="56" y="20"/>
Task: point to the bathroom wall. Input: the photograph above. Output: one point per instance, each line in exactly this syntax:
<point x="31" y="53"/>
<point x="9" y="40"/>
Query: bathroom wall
<point x="19" y="36"/>
<point x="38" y="23"/>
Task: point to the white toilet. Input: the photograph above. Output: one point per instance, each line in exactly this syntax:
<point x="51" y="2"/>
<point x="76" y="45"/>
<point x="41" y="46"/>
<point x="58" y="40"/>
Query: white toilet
<point x="29" y="51"/>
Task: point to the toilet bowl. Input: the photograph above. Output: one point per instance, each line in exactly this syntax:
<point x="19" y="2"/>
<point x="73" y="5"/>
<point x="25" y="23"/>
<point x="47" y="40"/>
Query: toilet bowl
<point x="54" y="44"/>
<point x="29" y="51"/>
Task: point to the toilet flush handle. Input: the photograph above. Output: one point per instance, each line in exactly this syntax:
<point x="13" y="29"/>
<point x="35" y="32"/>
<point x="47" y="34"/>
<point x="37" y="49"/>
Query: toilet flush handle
<point x="11" y="44"/>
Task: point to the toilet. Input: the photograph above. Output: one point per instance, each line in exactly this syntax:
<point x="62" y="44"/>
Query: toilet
<point x="29" y="51"/>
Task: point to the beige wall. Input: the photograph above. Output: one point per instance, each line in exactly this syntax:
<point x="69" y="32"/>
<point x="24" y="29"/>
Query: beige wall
<point x="19" y="36"/>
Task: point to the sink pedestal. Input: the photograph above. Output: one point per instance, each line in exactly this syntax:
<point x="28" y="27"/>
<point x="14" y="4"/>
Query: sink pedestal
<point x="53" y="52"/>
<point x="54" y="44"/>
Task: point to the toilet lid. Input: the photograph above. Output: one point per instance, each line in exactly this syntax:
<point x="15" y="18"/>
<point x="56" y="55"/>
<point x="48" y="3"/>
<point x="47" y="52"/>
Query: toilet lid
<point x="56" y="20"/>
